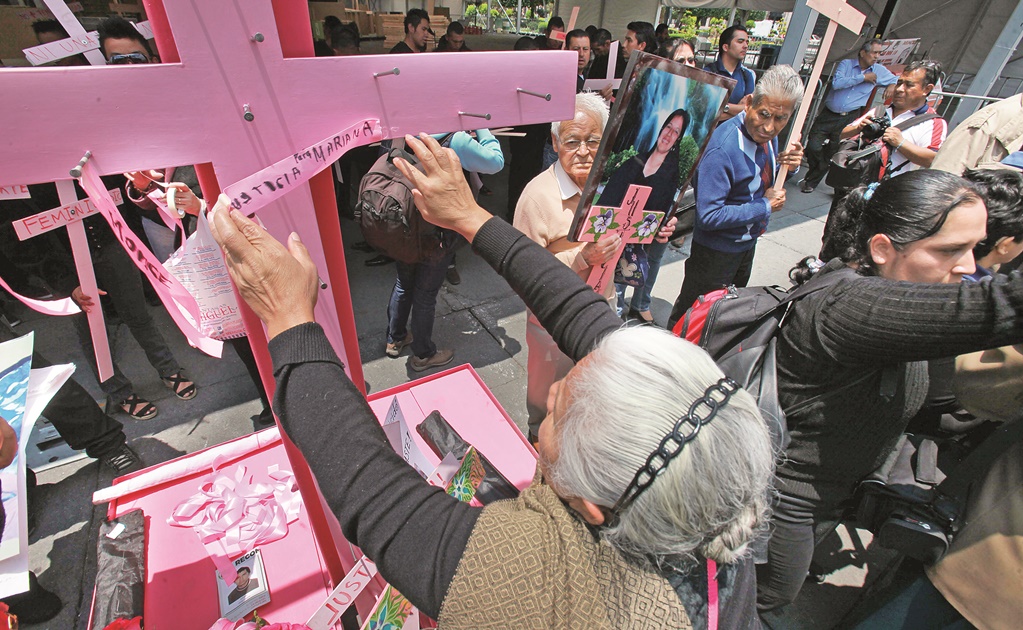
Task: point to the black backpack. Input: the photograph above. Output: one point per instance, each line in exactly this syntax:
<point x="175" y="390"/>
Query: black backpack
<point x="388" y="216"/>
<point x="858" y="163"/>
<point x="738" y="327"/>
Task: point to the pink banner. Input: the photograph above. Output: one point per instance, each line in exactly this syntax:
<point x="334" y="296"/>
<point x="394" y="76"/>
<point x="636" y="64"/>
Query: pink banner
<point x="66" y="306"/>
<point x="180" y="304"/>
<point x="277" y="180"/>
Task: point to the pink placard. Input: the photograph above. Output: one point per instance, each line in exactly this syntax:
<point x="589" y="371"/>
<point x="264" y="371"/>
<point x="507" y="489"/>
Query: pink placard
<point x="344" y="595"/>
<point x="60" y="217"/>
<point x="180" y="304"/>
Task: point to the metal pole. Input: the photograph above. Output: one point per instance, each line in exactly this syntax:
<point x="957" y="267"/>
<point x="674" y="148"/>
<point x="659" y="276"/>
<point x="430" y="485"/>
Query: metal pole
<point x="797" y="38"/>
<point x="886" y="17"/>
<point x="518" y="18"/>
<point x="993" y="65"/>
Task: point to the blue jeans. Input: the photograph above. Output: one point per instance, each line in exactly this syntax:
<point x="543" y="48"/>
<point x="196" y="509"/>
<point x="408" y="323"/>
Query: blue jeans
<point x="415" y="292"/>
<point x="641" y="295"/>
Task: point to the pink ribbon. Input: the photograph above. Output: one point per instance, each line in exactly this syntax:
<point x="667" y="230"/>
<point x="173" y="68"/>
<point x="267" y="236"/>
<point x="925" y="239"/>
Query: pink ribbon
<point x="232" y="513"/>
<point x="65" y="306"/>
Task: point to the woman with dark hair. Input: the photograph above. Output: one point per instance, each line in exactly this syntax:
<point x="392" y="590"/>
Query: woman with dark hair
<point x="658" y="169"/>
<point x="852" y="356"/>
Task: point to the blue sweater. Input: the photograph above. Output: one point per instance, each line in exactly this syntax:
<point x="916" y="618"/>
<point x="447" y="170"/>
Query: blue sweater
<point x="731" y="212"/>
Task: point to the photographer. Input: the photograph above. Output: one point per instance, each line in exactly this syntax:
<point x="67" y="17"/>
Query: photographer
<point x="915" y="147"/>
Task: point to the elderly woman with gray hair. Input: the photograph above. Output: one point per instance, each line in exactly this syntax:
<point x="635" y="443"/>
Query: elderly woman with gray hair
<point x="654" y="468"/>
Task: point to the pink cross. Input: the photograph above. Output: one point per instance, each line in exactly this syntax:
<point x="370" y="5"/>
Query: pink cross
<point x="631" y="221"/>
<point x="244" y="58"/>
<point x="839" y="12"/>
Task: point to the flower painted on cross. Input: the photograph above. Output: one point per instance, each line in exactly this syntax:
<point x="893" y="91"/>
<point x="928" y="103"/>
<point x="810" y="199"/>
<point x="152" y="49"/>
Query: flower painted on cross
<point x="602" y="223"/>
<point x="647" y="226"/>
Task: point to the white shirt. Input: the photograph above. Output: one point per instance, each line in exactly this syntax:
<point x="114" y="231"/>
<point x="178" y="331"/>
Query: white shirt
<point x="929" y="134"/>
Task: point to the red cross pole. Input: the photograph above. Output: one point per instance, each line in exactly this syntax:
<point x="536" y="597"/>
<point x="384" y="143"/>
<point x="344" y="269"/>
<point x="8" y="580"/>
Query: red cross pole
<point x="239" y="89"/>
<point x="631" y="221"/>
<point x="840" y="13"/>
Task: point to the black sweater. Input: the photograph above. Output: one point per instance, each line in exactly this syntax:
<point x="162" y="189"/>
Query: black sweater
<point x="851" y="333"/>
<point x="415" y="533"/>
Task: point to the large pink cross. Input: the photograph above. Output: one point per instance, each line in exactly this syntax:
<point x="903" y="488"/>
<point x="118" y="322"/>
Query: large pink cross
<point x="236" y="93"/>
<point x="631" y="221"/>
<point x="839" y="12"/>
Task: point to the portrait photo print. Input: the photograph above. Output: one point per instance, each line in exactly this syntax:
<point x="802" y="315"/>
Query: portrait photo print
<point x="660" y="123"/>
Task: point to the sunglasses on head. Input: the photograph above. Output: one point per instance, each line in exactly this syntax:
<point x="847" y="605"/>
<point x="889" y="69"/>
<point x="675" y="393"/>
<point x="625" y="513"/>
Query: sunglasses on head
<point x="129" y="58"/>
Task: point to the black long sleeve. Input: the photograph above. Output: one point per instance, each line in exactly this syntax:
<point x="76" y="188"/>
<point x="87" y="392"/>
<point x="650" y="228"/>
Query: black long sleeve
<point x="414" y="532"/>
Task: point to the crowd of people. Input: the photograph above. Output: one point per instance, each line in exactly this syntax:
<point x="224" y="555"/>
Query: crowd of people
<point x="671" y="509"/>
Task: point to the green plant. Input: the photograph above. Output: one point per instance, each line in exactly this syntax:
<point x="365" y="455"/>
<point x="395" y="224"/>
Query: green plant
<point x="615" y="161"/>
<point x="688" y="150"/>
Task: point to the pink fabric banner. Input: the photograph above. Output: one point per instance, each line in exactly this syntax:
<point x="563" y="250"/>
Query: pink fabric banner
<point x="277" y="180"/>
<point x="66" y="306"/>
<point x="180" y="304"/>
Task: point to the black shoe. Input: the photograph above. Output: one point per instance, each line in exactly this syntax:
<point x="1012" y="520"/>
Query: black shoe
<point x="379" y="261"/>
<point x="363" y="246"/>
<point x="806" y="186"/>
<point x="35" y="605"/>
<point x="123" y="460"/>
<point x="265" y="418"/>
<point x="452" y="276"/>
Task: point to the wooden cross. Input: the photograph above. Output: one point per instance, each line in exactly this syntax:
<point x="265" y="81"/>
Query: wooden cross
<point x="70" y="216"/>
<point x="631" y="221"/>
<point x="239" y="88"/>
<point x="839" y="12"/>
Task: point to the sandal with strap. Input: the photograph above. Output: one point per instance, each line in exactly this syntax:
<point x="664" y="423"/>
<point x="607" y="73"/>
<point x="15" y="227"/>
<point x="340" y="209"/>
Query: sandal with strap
<point x="138" y="408"/>
<point x="181" y="386"/>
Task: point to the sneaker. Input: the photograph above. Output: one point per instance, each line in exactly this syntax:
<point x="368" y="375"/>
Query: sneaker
<point x="806" y="186"/>
<point x="394" y="349"/>
<point x="439" y="358"/>
<point x="452" y="275"/>
<point x="123" y="460"/>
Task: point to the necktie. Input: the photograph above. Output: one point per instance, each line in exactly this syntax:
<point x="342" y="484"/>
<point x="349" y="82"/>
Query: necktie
<point x="767" y="173"/>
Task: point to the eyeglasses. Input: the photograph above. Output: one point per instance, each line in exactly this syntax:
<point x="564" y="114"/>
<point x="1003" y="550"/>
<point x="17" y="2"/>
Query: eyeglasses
<point x="129" y="58"/>
<point x="575" y="145"/>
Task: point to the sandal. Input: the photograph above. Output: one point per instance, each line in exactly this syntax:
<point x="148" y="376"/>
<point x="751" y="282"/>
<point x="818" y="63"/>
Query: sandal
<point x="138" y="408"/>
<point x="181" y="386"/>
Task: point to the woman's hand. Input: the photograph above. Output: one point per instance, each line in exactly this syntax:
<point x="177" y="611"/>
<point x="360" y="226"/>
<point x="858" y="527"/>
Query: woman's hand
<point x="440" y="190"/>
<point x="83" y="301"/>
<point x="143" y="181"/>
<point x="279" y="284"/>
<point x="666" y="230"/>
<point x="184" y="198"/>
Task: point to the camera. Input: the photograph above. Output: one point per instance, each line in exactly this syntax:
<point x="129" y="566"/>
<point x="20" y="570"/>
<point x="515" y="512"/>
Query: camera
<point x="875" y="128"/>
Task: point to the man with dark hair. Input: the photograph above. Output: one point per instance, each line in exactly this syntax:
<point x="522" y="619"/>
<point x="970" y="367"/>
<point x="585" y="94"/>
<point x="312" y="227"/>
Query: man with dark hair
<point x="915" y="147"/>
<point x="417" y="31"/>
<point x="639" y="36"/>
<point x="600" y="42"/>
<point x="731" y="51"/>
<point x="663" y="34"/>
<point x="578" y="41"/>
<point x="48" y="31"/>
<point x="1003" y="195"/>
<point x="453" y="40"/>
<point x="344" y="39"/>
<point x="851" y="86"/>
<point x="554" y="24"/>
<point x="121" y="43"/>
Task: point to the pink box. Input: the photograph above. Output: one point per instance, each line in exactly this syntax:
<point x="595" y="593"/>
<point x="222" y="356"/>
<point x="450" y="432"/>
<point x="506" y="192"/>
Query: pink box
<point x="304" y="566"/>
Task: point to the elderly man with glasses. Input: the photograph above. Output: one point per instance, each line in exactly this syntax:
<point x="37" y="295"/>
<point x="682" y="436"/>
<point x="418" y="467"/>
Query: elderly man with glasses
<point x="544" y="213"/>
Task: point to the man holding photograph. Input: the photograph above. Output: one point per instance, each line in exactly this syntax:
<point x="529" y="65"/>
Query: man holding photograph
<point x="734" y="194"/>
